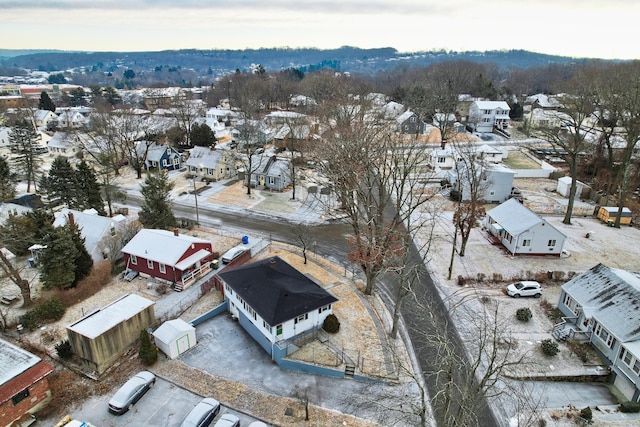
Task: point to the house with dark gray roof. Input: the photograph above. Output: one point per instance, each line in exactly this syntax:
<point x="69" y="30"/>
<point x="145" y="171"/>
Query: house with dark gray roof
<point x="522" y="231"/>
<point x="602" y="306"/>
<point x="274" y="302"/>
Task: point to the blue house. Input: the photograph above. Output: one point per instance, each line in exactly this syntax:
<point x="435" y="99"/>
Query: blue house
<point x="162" y="156"/>
<point x="602" y="306"/>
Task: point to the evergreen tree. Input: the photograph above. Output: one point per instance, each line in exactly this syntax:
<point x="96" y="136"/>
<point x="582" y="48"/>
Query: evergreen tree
<point x="46" y="103"/>
<point x="23" y="141"/>
<point x="83" y="262"/>
<point x="88" y="189"/>
<point x="156" y="209"/>
<point x="202" y="135"/>
<point x="61" y="184"/>
<point x="7" y="181"/>
<point x="19" y="232"/>
<point x="148" y="351"/>
<point x="58" y="259"/>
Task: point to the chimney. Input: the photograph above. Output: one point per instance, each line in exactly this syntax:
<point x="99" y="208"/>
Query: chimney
<point x="442" y="144"/>
<point x="272" y="263"/>
<point x="71" y="219"/>
<point x="175" y="232"/>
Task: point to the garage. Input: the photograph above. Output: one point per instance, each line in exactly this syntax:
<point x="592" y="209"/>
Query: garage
<point x="175" y="337"/>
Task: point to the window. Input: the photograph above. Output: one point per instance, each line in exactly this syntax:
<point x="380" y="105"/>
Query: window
<point x="551" y="243"/>
<point x="165" y="163"/>
<point x="279" y="329"/>
<point x="162" y="268"/>
<point x="442" y="159"/>
<point x="150" y="264"/>
<point x="325" y="308"/>
<point x="301" y="318"/>
<point x="133" y="259"/>
<point x="20" y="396"/>
<point x="636" y="367"/>
<point x="526" y="242"/>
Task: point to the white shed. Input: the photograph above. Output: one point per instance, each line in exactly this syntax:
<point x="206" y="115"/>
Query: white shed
<point x="564" y="186"/>
<point x="175" y="337"/>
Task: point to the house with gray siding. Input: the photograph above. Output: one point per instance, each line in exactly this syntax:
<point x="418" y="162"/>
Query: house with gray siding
<point x="495" y="180"/>
<point x="602" y="306"/>
<point x="523" y="232"/>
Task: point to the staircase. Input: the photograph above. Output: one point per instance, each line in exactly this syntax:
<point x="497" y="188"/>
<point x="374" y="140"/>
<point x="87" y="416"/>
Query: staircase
<point x="349" y="370"/>
<point x="562" y="331"/>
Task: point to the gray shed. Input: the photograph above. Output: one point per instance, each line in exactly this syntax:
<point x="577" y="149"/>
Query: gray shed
<point x="175" y="337"/>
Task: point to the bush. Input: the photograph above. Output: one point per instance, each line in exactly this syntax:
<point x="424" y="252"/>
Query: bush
<point x="64" y="350"/>
<point x="630" y="407"/>
<point x="331" y="324"/>
<point x="148" y="351"/>
<point x="586" y="413"/>
<point x="524" y="314"/>
<point x="461" y="281"/>
<point x="45" y="311"/>
<point x="549" y="347"/>
<point x="99" y="276"/>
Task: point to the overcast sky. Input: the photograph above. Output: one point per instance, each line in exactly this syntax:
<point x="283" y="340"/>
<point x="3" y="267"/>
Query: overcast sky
<point x="579" y="28"/>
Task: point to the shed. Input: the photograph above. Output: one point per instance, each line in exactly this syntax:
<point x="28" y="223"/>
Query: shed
<point x="175" y="337"/>
<point x="609" y="213"/>
<point x="564" y="187"/>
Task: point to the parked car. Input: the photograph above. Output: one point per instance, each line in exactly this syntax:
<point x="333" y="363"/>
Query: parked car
<point x="525" y="288"/>
<point x="232" y="254"/>
<point x="202" y="414"/>
<point x="131" y="392"/>
<point x="228" y="420"/>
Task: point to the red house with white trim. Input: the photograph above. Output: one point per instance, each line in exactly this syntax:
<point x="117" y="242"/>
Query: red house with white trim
<point x="170" y="256"/>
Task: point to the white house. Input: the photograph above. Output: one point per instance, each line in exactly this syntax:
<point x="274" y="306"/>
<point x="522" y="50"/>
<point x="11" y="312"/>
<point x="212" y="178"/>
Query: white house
<point x="274" y="302"/>
<point x="602" y="306"/>
<point x="523" y="232"/>
<point x="484" y="116"/>
<point x="175" y="337"/>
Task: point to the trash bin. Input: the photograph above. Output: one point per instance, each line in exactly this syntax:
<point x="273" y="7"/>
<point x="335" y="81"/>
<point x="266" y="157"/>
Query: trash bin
<point x="32" y="262"/>
<point x="214" y="264"/>
<point x="245" y="240"/>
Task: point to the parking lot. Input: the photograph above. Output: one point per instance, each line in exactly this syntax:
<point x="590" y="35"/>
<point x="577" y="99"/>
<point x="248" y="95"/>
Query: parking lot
<point x="165" y="404"/>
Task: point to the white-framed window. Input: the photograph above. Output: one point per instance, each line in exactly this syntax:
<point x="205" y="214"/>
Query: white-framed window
<point x="301" y="318"/>
<point x="164" y="162"/>
<point x="551" y="242"/>
<point x="442" y="159"/>
<point x="526" y="242"/>
<point x="162" y="268"/>
<point x="150" y="264"/>
<point x="325" y="308"/>
<point x="133" y="259"/>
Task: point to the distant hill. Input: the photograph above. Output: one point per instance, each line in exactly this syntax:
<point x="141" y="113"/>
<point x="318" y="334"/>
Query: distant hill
<point x="220" y="62"/>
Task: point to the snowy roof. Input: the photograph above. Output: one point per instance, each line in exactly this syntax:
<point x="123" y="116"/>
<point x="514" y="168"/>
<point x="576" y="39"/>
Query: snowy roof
<point x="204" y="157"/>
<point x="171" y="330"/>
<point x="492" y="105"/>
<point x="7" y="209"/>
<point x="92" y="227"/>
<point x="60" y="140"/>
<point x="14" y="361"/>
<point x="612" y="297"/>
<point x="543" y="100"/>
<point x="160" y="245"/>
<point x="405" y="116"/>
<point x="98" y="322"/>
<point x="514" y="217"/>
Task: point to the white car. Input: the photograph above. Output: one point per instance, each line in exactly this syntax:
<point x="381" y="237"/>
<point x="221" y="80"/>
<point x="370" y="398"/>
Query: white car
<point x="232" y="254"/>
<point x="525" y="288"/>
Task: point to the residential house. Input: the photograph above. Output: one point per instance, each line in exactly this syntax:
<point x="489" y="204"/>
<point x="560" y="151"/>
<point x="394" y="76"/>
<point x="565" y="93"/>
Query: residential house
<point x="485" y="116"/>
<point x="64" y="144"/>
<point x="274" y="302"/>
<point x="12" y="209"/>
<point x="408" y="123"/>
<point x="391" y="110"/>
<point x="24" y="384"/>
<point x="443" y="158"/>
<point x="100" y="233"/>
<point x="270" y="172"/>
<point x="489" y="154"/>
<point x="161" y="156"/>
<point x="169" y="256"/>
<point x="210" y="164"/>
<point x="495" y="181"/>
<point x="602" y="306"/>
<point x="523" y="232"/>
<point x="45" y="118"/>
<point x="295" y="136"/>
<point x="73" y="118"/>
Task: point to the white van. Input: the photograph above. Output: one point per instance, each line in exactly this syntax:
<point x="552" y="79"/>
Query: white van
<point x="233" y="253"/>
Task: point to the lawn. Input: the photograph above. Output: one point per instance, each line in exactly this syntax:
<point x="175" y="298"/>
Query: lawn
<point x="519" y="160"/>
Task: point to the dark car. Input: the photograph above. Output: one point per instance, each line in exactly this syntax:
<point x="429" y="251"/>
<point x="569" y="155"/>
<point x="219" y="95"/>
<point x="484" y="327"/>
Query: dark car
<point x="131" y="392"/>
<point x="202" y="414"/>
<point x="228" y="420"/>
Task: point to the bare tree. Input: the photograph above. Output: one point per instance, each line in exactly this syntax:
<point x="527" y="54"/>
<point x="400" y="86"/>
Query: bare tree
<point x="23" y="141"/>
<point x="303" y="234"/>
<point x="111" y="246"/>
<point x="186" y="109"/>
<point x="575" y="123"/>
<point x="13" y="273"/>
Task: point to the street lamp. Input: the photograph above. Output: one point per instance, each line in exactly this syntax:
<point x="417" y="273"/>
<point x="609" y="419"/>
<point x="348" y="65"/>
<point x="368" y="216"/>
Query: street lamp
<point x="195" y="194"/>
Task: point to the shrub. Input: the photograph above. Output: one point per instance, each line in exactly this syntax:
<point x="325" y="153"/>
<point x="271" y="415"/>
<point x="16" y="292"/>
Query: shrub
<point x="579" y="349"/>
<point x="630" y="407"/>
<point x="45" y="311"/>
<point x="549" y="347"/>
<point x="148" y="351"/>
<point x="481" y="277"/>
<point x="586" y="413"/>
<point x="99" y="276"/>
<point x="497" y="278"/>
<point x="331" y="324"/>
<point x="541" y="277"/>
<point x="64" y="350"/>
<point x="524" y="314"/>
<point x="461" y="281"/>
